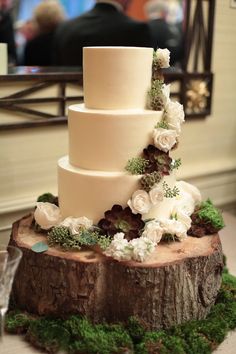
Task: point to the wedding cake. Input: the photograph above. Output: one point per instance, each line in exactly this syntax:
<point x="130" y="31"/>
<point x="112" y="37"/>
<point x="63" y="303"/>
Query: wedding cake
<point x="113" y="126"/>
<point x="119" y="177"/>
<point x="104" y="248"/>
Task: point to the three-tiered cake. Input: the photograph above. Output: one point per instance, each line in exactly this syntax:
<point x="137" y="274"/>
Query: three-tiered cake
<point x="117" y="189"/>
<point x="111" y="127"/>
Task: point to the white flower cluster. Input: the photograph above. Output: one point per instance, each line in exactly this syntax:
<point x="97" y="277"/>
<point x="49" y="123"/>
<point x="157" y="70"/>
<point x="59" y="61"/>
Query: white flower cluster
<point x="179" y="222"/>
<point x="141" y="201"/>
<point x="48" y="215"/>
<point x="175" y="228"/>
<point x="188" y="197"/>
<point x="76" y="224"/>
<point x="165" y="139"/>
<point x="154" y="230"/>
<point x="137" y="249"/>
<point x="174" y="116"/>
<point x="163" y="58"/>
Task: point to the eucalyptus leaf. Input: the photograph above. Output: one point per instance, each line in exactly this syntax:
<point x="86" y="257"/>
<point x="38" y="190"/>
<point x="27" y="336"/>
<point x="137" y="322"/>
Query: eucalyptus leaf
<point x="39" y="247"/>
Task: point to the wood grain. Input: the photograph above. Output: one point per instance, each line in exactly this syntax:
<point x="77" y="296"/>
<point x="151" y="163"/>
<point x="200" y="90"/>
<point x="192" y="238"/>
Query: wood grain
<point x="179" y="282"/>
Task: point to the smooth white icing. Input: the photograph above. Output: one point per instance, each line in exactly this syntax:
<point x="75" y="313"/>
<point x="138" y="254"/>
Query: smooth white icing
<point x="90" y="193"/>
<point x="112" y="127"/>
<point x="106" y="139"/>
<point x="116" y="77"/>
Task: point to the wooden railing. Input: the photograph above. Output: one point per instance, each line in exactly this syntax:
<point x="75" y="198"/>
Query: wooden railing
<point x="28" y="81"/>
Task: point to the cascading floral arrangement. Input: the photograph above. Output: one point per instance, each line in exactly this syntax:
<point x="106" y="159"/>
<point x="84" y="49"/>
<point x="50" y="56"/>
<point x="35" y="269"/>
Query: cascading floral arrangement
<point x="125" y="233"/>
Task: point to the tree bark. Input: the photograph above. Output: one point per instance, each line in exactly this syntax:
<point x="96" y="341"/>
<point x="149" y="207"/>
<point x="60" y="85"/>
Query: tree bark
<point x="178" y="283"/>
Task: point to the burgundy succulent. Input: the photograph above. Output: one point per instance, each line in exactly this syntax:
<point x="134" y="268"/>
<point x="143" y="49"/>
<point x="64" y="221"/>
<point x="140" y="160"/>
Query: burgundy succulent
<point x="121" y="220"/>
<point x="200" y="227"/>
<point x="159" y="161"/>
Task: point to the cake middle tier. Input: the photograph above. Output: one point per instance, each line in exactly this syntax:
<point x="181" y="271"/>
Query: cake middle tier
<point x="105" y="140"/>
<point x="90" y="193"/>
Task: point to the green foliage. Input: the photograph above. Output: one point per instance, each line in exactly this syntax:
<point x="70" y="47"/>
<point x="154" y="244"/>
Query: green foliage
<point x="103" y="242"/>
<point x="175" y="164"/>
<point x="136" y="165"/>
<point x="97" y="339"/>
<point x="136" y="329"/>
<point x="78" y="335"/>
<point x="155" y="95"/>
<point x="17" y="322"/>
<point x="62" y="236"/>
<point x="48" y="334"/>
<point x="87" y="237"/>
<point x="170" y="192"/>
<point x="209" y="213"/>
<point x="162" y="124"/>
<point x="48" y="197"/>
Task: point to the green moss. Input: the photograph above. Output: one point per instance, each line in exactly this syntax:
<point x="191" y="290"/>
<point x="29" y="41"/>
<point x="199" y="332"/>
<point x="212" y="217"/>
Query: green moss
<point x="96" y="339"/>
<point x="209" y="213"/>
<point x="136" y="329"/>
<point x="48" y="197"/>
<point x="17" y="322"/>
<point x="78" y="335"/>
<point x="48" y="334"/>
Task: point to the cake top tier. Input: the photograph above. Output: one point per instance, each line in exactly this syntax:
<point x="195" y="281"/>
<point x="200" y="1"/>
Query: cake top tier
<point x="116" y="77"/>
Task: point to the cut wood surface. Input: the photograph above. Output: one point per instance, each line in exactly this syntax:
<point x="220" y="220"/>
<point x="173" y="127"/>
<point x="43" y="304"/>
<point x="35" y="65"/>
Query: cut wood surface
<point x="179" y="282"/>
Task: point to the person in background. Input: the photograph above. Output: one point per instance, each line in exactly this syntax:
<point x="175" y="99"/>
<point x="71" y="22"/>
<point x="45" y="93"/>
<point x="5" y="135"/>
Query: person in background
<point x="25" y="31"/>
<point x="104" y="25"/>
<point x="7" y="30"/>
<point x="165" y="25"/>
<point x="46" y="17"/>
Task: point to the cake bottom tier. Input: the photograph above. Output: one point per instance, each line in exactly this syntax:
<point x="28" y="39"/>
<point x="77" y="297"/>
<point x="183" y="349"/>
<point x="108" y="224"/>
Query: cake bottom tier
<point x="179" y="282"/>
<point x="90" y="193"/>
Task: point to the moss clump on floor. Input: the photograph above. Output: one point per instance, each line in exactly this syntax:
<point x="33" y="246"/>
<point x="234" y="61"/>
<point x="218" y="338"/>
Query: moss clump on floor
<point x="78" y="335"/>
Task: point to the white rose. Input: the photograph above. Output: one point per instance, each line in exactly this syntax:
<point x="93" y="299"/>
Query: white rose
<point x="164" y="139"/>
<point x="188" y="198"/>
<point x="47" y="215"/>
<point x="156" y="195"/>
<point x="140" y="202"/>
<point x="166" y="94"/>
<point x="153" y="231"/>
<point x="185" y="202"/>
<point x="174" y="115"/>
<point x="119" y="248"/>
<point x="75" y="224"/>
<point x="163" y="57"/>
<point x="181" y="215"/>
<point x="174" y="227"/>
<point x="190" y="189"/>
<point x="142" y="248"/>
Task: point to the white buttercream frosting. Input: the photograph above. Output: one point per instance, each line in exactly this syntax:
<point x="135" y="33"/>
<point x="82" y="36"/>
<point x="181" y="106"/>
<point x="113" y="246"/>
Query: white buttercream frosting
<point x="112" y="127"/>
<point x="116" y="77"/>
<point x="106" y="139"/>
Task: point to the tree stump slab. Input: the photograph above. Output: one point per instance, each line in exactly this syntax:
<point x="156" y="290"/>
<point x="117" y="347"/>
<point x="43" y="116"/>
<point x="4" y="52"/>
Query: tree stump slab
<point x="179" y="282"/>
